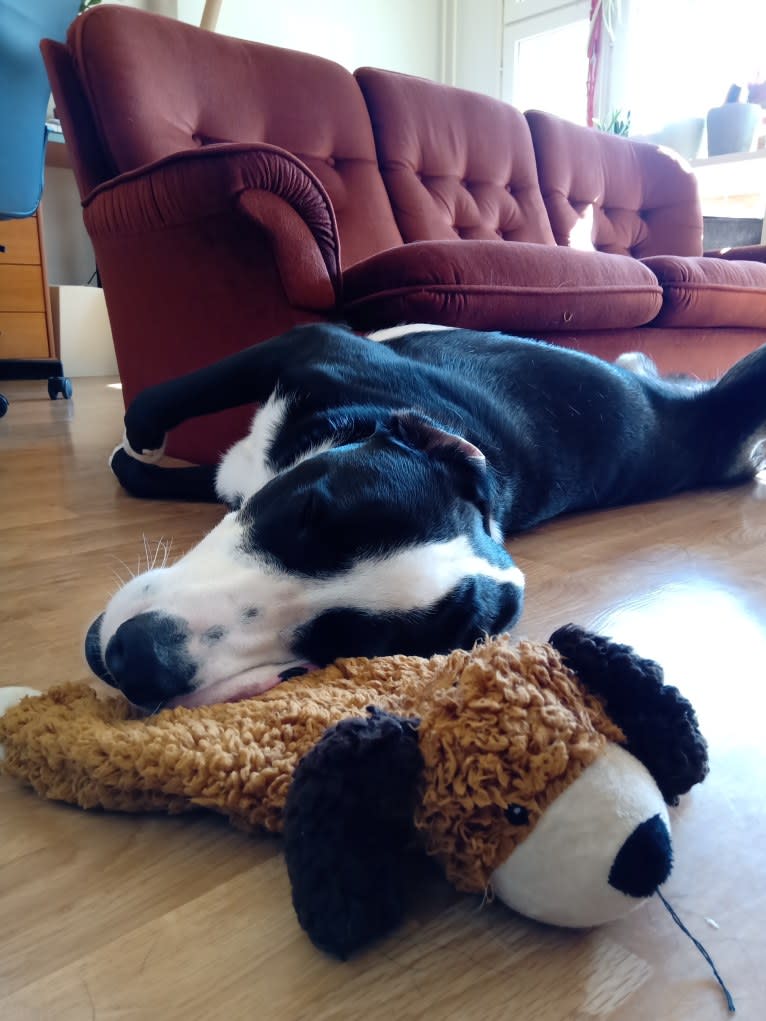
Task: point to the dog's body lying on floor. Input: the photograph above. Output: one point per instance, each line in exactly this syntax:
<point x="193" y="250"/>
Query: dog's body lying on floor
<point x="372" y="496"/>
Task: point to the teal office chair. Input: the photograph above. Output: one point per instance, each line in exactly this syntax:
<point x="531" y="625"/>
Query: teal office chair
<point x="24" y="92"/>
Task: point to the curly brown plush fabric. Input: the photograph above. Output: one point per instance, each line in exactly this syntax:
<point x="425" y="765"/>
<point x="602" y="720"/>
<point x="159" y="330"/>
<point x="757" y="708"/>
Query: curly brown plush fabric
<point x="515" y="728"/>
<point x="235" y="758"/>
<point x="502" y="724"/>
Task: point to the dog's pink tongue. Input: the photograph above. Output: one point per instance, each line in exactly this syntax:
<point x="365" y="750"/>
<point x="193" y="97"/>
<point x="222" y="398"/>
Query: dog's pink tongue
<point x="251" y="690"/>
<point x="234" y="690"/>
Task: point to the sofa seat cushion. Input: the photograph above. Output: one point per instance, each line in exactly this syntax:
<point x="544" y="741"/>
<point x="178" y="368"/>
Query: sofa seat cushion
<point x="705" y="292"/>
<point x="499" y="285"/>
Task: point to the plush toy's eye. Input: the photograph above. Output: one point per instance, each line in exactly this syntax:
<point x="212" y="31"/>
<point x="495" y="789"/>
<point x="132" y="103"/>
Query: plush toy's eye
<point x="517" y="814"/>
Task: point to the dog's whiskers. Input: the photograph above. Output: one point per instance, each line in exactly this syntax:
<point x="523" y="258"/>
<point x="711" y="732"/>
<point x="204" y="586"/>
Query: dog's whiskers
<point x="167" y="546"/>
<point x="119" y="579"/>
<point x="146" y="550"/>
<point x="156" y="557"/>
<point x="161" y="545"/>
<point x="131" y="573"/>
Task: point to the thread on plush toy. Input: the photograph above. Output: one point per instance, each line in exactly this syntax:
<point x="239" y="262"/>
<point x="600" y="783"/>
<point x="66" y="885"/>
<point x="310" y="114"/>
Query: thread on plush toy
<point x="702" y="950"/>
<point x="488" y="897"/>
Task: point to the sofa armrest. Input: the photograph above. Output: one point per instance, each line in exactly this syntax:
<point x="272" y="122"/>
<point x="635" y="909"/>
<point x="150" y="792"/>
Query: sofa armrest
<point x="747" y="253"/>
<point x="271" y="189"/>
<point x="511" y="286"/>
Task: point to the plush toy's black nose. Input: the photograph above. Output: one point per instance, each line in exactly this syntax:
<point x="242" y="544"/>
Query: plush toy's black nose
<point x="644" y="861"/>
<point x="147" y="659"/>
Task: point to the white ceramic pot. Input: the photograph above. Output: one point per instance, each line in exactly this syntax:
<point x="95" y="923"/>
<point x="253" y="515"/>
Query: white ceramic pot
<point x="732" y="127"/>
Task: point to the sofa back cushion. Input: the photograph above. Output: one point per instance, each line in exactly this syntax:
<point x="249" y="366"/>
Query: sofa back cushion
<point x="456" y="164"/>
<point x="157" y="86"/>
<point x="632" y="198"/>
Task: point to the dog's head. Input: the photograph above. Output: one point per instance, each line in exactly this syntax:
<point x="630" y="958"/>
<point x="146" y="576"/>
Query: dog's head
<point x="384" y="544"/>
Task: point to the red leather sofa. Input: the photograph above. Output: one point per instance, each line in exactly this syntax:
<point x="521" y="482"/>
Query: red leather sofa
<point x="233" y="190"/>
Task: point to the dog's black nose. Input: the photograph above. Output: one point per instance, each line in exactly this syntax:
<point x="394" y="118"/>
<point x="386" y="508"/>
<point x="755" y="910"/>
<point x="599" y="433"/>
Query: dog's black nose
<point x="644" y="861"/>
<point x="93" y="655"/>
<point x="147" y="659"/>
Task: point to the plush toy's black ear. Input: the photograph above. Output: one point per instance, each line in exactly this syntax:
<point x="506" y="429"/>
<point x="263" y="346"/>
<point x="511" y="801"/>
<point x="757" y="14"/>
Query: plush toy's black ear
<point x="349" y="828"/>
<point x="659" y="723"/>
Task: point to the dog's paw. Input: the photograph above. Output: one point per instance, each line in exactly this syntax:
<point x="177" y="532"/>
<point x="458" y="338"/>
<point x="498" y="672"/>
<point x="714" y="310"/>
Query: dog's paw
<point x="638" y="363"/>
<point x="758" y="457"/>
<point x="145" y="456"/>
<point x="9" y="697"/>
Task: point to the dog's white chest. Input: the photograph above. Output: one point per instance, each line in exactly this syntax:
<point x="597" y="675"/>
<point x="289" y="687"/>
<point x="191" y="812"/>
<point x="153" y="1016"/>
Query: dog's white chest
<point x="246" y="467"/>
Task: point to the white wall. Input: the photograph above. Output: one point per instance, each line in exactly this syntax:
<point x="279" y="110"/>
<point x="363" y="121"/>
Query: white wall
<point x="478" y="46"/>
<point x="455" y="41"/>
<point x="401" y="35"/>
<point x="68" y="252"/>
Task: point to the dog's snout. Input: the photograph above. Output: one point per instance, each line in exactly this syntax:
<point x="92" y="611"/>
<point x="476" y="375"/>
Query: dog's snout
<point x="147" y="658"/>
<point x="644" y="861"/>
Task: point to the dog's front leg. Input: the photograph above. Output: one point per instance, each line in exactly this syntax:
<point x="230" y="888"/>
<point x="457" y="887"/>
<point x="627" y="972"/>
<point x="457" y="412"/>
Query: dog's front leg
<point x="243" y="378"/>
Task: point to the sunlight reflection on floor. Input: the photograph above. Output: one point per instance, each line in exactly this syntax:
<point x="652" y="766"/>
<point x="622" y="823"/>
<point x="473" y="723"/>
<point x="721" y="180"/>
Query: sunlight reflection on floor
<point x="672" y="624"/>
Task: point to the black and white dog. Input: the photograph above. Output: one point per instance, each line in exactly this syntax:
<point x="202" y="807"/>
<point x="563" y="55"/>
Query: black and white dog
<point x="371" y="499"/>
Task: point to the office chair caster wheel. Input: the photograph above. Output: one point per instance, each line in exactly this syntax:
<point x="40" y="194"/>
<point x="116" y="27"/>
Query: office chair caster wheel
<point x="59" y="385"/>
<point x="3" y="405"/>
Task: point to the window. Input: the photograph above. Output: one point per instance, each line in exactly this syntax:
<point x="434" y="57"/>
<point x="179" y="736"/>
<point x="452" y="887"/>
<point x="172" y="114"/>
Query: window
<point x="680" y="58"/>
<point x="545" y="60"/>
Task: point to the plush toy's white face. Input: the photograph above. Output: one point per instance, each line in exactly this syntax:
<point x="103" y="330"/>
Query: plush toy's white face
<point x="598" y="851"/>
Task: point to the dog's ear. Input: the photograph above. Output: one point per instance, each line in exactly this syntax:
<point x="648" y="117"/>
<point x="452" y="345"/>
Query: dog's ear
<point x="467" y="463"/>
<point x="659" y="723"/>
<point x="348" y="827"/>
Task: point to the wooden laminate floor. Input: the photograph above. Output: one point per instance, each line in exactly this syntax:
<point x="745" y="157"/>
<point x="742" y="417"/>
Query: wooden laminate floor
<point x="113" y="917"/>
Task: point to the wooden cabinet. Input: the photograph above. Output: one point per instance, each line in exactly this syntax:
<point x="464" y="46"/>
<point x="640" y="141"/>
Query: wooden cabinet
<point x="25" y="316"/>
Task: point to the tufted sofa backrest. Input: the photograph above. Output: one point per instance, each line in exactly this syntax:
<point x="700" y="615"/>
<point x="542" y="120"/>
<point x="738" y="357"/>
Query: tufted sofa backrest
<point x="155" y="86"/>
<point x="634" y="198"/>
<point x="456" y="164"/>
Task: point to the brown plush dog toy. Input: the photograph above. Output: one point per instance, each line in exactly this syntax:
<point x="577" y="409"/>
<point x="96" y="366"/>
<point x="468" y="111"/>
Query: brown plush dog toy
<point x="540" y="771"/>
